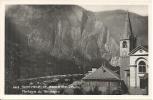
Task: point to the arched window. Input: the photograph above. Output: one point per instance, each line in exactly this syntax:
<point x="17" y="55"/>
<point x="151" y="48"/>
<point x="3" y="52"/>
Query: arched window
<point x="142" y="66"/>
<point x="124" y="45"/>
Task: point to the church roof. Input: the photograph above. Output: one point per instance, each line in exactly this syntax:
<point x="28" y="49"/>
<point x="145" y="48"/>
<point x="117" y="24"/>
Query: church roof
<point x="103" y="73"/>
<point x="138" y="48"/>
<point x="127" y="28"/>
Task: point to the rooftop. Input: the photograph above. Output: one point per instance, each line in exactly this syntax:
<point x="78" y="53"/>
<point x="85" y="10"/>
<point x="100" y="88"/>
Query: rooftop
<point x="103" y="73"/>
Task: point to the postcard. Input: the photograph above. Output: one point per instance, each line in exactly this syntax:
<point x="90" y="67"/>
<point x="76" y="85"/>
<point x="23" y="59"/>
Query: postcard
<point x="68" y="49"/>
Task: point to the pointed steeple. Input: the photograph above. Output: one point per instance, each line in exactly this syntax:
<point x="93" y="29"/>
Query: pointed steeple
<point x="128" y="28"/>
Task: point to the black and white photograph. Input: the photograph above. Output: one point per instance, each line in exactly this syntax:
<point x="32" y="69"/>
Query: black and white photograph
<point x="66" y="49"/>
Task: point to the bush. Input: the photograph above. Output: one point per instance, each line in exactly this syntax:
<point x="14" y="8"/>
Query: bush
<point x="78" y="91"/>
<point x="95" y="91"/>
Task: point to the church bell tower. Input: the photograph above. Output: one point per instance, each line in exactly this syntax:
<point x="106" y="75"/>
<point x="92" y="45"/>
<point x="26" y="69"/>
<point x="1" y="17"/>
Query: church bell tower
<point x="127" y="39"/>
<point x="127" y="43"/>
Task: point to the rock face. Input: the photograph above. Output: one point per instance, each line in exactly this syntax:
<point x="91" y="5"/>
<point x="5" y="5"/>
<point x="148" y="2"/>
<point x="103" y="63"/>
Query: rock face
<point x="53" y="34"/>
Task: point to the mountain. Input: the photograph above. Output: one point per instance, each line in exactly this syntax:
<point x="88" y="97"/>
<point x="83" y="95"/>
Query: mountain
<point x="60" y="39"/>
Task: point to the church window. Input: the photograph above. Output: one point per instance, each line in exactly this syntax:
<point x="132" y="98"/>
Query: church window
<point x="142" y="66"/>
<point x="140" y="51"/>
<point x="128" y="73"/>
<point x="124" y="44"/>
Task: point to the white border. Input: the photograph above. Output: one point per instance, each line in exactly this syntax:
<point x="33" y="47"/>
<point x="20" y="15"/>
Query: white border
<point x="74" y="2"/>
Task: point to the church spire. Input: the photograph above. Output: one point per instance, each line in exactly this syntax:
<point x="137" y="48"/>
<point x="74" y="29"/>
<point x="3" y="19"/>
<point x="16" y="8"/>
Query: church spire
<point x="128" y="27"/>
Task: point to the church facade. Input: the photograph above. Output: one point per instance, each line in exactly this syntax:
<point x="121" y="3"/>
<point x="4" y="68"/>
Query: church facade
<point x="133" y="61"/>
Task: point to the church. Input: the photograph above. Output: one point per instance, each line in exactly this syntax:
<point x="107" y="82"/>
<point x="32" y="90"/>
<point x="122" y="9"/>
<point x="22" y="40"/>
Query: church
<point x="133" y="61"/>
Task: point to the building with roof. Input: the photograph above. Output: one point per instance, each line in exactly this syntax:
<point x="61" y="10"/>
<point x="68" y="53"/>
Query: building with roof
<point x="133" y="61"/>
<point x="104" y="79"/>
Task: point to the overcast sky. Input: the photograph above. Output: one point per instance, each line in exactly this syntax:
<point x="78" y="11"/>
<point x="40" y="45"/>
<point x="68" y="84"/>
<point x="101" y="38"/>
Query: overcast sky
<point x="139" y="9"/>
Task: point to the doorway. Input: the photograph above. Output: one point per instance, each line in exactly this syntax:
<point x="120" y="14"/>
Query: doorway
<point x="143" y="83"/>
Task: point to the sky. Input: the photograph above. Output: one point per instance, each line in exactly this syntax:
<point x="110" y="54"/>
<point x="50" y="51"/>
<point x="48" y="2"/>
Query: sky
<point x="139" y="9"/>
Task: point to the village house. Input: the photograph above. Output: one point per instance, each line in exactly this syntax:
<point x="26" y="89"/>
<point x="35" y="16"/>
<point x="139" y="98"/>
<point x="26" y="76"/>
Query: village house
<point x="104" y="79"/>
